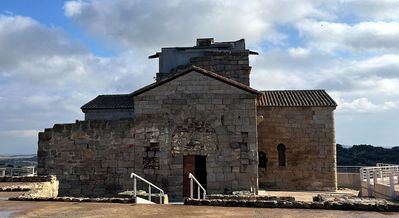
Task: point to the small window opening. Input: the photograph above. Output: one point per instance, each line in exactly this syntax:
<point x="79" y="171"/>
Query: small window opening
<point x="281" y="155"/>
<point x="262" y="160"/>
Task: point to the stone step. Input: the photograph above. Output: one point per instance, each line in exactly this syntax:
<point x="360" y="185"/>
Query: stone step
<point x="144" y="195"/>
<point x="143" y="201"/>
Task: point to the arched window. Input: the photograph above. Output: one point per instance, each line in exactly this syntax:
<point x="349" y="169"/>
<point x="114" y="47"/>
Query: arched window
<point x="281" y="155"/>
<point x="262" y="160"/>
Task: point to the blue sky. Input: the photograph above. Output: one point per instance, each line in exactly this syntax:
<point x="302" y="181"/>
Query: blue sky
<point x="57" y="55"/>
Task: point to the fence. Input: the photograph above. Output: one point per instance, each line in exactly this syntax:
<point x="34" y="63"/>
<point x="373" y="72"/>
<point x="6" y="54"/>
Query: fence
<point x="379" y="181"/>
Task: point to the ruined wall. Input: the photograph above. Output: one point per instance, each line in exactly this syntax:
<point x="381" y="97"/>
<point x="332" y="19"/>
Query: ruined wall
<point x="308" y="134"/>
<point x="206" y="117"/>
<point x="192" y="114"/>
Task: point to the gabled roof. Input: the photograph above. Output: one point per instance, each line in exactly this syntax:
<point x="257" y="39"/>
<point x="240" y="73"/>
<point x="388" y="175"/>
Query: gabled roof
<point x="199" y="70"/>
<point x="296" y="98"/>
<point x="122" y="101"/>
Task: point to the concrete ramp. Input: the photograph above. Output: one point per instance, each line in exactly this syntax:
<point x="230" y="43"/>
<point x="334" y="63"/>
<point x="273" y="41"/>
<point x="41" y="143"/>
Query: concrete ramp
<point x="143" y="201"/>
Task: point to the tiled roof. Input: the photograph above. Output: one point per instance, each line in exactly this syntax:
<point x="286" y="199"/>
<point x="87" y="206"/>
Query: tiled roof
<point x="296" y="98"/>
<point x="123" y="101"/>
<point x="199" y="70"/>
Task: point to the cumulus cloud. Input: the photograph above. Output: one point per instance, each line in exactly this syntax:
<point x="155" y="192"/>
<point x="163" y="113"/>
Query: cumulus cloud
<point x="156" y="24"/>
<point x="365" y="105"/>
<point x="21" y="133"/>
<point x="45" y="76"/>
<point x="371" y="9"/>
<point x="18" y="33"/>
<point x="371" y="76"/>
<point x="359" y="37"/>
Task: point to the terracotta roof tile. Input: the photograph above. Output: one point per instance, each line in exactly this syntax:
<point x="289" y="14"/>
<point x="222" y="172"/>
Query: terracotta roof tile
<point x="296" y="98"/>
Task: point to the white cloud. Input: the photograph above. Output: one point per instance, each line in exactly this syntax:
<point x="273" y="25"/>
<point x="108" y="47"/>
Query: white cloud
<point x="28" y="133"/>
<point x="154" y="24"/>
<point x="73" y="8"/>
<point x="372" y="9"/>
<point x="365" y="105"/>
<point x="359" y="37"/>
<point x="45" y="76"/>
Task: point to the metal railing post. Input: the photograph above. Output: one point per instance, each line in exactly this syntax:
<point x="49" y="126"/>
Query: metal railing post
<point x="191" y="187"/>
<point x="149" y="192"/>
<point x="135" y="176"/>
<point x="135" y="187"/>
<point x="392" y="185"/>
<point x="199" y="187"/>
<point x="198" y="192"/>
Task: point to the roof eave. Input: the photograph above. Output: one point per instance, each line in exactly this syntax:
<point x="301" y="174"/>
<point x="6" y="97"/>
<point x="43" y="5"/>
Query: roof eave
<point x="202" y="71"/>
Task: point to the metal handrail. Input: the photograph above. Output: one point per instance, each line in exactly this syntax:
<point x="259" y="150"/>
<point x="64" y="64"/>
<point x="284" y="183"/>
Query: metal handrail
<point x="192" y="178"/>
<point x="385" y="164"/>
<point x="10" y="171"/>
<point x="134" y="176"/>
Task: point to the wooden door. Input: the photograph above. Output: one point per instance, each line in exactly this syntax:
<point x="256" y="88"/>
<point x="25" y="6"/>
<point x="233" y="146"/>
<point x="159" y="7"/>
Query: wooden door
<point x="188" y="167"/>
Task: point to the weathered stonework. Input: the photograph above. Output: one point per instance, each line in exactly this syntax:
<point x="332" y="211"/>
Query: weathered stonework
<point x="204" y="118"/>
<point x="230" y="64"/>
<point x="309" y="136"/>
<point x="191" y="115"/>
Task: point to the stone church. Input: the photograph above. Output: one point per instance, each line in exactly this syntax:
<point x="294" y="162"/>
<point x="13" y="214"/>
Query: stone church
<point x="199" y="116"/>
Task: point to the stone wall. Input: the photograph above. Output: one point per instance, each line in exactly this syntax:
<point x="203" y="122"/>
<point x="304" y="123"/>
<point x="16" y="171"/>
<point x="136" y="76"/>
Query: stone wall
<point x="90" y="158"/>
<point x="191" y="115"/>
<point x="309" y="137"/>
<point x="205" y="117"/>
<point x="231" y="64"/>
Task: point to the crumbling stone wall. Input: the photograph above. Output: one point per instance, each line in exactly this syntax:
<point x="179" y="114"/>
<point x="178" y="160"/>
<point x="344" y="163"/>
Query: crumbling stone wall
<point x="191" y="115"/>
<point x="308" y="134"/>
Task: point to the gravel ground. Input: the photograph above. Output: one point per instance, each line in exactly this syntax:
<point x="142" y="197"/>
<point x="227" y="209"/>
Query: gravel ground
<point x="69" y="209"/>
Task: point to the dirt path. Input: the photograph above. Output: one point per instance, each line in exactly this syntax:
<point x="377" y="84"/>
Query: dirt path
<point x="69" y="209"/>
